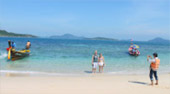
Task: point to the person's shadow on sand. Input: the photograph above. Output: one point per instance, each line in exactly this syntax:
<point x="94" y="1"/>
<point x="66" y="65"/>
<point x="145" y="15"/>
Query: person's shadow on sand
<point x="137" y="82"/>
<point x="88" y="71"/>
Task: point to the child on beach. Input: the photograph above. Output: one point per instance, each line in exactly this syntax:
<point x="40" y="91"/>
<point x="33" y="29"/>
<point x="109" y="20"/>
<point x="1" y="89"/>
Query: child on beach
<point x="153" y="67"/>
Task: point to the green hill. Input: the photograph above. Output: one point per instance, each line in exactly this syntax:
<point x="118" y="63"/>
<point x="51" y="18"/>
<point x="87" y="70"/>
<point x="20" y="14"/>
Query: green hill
<point x="4" y="33"/>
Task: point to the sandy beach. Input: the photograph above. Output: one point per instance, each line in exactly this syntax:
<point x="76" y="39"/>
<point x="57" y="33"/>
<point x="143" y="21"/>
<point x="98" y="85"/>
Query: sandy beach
<point x="84" y="46"/>
<point x="92" y="84"/>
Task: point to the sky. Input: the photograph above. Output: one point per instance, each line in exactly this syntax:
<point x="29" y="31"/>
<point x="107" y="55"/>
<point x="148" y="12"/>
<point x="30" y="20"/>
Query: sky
<point x="120" y="19"/>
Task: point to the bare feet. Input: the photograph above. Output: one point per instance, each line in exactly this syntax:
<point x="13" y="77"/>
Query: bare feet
<point x="151" y="83"/>
<point x="156" y="82"/>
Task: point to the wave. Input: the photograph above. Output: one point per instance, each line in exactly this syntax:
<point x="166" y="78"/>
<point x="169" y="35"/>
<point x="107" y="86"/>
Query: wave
<point x="35" y="73"/>
<point x="61" y="74"/>
<point x="3" y="55"/>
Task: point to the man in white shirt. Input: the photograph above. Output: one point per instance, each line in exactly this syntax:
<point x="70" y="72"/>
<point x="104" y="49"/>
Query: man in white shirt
<point x="154" y="65"/>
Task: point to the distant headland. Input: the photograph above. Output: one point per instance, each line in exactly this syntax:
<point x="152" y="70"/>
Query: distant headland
<point x="4" y="33"/>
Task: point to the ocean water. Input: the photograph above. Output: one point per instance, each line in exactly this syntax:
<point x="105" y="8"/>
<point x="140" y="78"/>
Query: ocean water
<point x="72" y="57"/>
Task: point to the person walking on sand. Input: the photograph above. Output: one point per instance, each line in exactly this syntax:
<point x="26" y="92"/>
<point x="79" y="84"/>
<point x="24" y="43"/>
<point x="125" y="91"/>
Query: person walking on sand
<point x="95" y="59"/>
<point x="154" y="65"/>
<point x="101" y="63"/>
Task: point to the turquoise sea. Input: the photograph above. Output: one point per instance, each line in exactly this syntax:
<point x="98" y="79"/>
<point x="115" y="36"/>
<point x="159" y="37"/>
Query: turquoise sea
<point x="72" y="57"/>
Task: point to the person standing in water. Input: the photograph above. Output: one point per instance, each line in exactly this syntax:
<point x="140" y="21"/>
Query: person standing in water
<point x="154" y="65"/>
<point x="9" y="44"/>
<point x="95" y="59"/>
<point x="13" y="45"/>
<point x="28" y="45"/>
<point x="101" y="63"/>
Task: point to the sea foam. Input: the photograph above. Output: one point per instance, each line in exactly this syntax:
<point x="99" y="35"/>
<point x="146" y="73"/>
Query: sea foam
<point x="3" y="55"/>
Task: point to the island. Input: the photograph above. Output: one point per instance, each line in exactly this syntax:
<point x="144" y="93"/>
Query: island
<point x="4" y="33"/>
<point x="70" y="36"/>
<point x="66" y="36"/>
<point x="158" y="39"/>
<point x="101" y="38"/>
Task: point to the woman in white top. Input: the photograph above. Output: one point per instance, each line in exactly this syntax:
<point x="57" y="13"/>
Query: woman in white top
<point x="101" y="63"/>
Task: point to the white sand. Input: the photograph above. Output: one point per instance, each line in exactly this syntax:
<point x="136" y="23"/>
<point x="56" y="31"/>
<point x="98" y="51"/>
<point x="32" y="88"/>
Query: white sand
<point x="93" y="84"/>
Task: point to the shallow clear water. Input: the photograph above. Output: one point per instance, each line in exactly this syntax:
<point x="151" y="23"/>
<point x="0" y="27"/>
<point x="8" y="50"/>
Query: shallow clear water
<point x="55" y="56"/>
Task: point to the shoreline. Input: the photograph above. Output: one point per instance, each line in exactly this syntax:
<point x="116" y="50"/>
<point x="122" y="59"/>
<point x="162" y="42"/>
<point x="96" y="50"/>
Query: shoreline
<point x="4" y="73"/>
<point x="14" y="73"/>
<point x="94" y="84"/>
